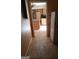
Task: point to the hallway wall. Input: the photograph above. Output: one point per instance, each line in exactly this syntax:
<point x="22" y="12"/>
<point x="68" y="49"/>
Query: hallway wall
<point x="51" y="6"/>
<point x="25" y="35"/>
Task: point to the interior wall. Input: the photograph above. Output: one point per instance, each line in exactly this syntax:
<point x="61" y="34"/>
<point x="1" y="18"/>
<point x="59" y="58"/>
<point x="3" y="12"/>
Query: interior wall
<point x="29" y="12"/>
<point x="52" y="5"/>
<point x="25" y="36"/>
<point x="25" y="30"/>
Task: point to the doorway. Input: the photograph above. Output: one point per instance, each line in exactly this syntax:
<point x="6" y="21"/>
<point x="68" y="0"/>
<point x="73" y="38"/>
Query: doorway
<point x="39" y="18"/>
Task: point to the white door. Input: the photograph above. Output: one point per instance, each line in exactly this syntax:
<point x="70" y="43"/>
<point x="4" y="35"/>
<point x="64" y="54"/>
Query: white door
<point x="52" y="25"/>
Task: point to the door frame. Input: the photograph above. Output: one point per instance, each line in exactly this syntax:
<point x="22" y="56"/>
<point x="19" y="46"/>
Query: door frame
<point x="28" y="8"/>
<point x="48" y="28"/>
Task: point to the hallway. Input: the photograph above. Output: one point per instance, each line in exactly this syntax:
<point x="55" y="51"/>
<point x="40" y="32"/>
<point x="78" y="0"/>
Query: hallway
<point x="41" y="47"/>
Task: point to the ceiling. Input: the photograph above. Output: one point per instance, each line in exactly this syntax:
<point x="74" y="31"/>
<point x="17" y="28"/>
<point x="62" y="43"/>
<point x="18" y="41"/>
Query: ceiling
<point x="39" y="5"/>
